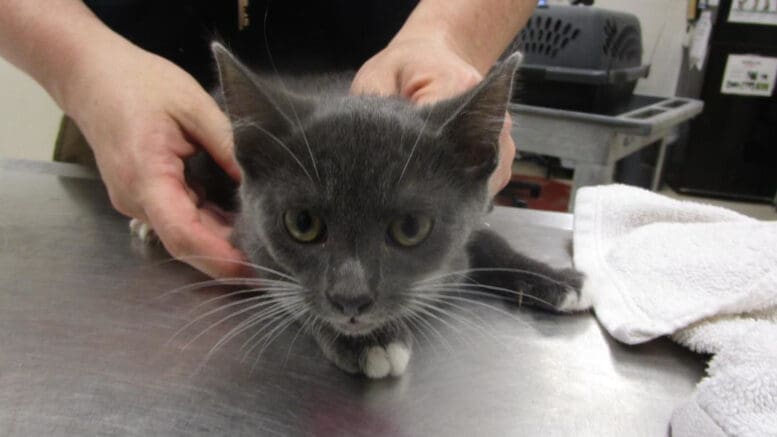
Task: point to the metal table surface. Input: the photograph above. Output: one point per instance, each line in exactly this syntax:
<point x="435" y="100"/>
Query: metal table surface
<point x="88" y="345"/>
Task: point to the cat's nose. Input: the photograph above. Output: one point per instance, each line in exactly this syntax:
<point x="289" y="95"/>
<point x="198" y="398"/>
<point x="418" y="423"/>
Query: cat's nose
<point x="351" y="304"/>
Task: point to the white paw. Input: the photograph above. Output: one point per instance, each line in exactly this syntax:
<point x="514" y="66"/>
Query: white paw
<point x="379" y="362"/>
<point x="575" y="301"/>
<point x="376" y="362"/>
<point x="398" y="355"/>
<point x="142" y="230"/>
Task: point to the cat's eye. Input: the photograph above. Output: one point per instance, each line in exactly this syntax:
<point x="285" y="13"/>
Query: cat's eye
<point x="410" y="230"/>
<point x="303" y="225"/>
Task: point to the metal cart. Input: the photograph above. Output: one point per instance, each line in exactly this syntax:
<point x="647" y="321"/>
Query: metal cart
<point x="594" y="143"/>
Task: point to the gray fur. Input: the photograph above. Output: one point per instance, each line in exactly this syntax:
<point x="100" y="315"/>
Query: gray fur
<point x="359" y="162"/>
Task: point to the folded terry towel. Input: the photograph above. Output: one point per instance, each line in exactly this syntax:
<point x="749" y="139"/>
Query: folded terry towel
<point x="657" y="266"/>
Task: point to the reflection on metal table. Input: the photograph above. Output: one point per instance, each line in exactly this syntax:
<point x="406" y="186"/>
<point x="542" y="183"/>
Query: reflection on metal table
<point x="595" y="142"/>
<point x="88" y="345"/>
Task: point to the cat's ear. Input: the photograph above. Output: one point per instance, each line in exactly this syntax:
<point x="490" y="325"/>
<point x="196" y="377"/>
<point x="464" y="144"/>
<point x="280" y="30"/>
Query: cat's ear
<point x="261" y="112"/>
<point x="246" y="96"/>
<point x="474" y="120"/>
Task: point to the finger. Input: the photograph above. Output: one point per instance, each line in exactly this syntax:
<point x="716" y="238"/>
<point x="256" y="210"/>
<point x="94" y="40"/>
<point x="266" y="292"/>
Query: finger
<point x="213" y="219"/>
<point x="192" y="195"/>
<point x="434" y="90"/>
<point x="207" y="125"/>
<point x="501" y="176"/>
<point x="228" y="262"/>
<point x="189" y="234"/>
<point x="370" y="81"/>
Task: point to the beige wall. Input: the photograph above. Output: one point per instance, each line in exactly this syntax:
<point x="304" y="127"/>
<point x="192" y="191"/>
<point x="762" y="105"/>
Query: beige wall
<point x="29" y="119"/>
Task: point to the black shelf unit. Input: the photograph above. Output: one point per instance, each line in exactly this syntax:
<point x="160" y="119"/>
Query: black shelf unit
<point x="732" y="147"/>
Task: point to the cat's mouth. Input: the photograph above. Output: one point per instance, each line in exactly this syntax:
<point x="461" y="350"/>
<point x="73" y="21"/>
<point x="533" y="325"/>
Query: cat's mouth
<point x="354" y="326"/>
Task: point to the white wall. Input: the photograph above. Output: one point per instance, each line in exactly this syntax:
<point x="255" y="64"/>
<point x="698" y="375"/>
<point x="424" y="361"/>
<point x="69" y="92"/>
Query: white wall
<point x="663" y="32"/>
<point x="29" y="119"/>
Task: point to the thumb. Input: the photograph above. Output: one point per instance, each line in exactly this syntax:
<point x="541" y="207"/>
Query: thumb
<point x="208" y="126"/>
<point x="427" y="90"/>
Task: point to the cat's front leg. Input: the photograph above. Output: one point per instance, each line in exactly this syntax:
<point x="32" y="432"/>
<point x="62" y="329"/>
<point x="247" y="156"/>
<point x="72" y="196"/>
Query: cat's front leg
<point x="500" y="269"/>
<point x="377" y="355"/>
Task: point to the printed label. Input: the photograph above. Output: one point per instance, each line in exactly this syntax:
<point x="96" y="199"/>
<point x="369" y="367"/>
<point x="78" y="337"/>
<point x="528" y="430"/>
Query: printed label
<point x="749" y="75"/>
<point x="753" y="12"/>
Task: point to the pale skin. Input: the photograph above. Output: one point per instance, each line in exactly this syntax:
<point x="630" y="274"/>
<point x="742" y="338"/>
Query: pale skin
<point x="143" y="115"/>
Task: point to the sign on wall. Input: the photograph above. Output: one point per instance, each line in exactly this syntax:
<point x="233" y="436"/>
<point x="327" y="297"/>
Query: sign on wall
<point x="749" y="75"/>
<point x="754" y="12"/>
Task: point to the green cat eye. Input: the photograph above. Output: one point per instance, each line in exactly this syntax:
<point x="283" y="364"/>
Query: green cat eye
<point x="303" y="225"/>
<point x="410" y="230"/>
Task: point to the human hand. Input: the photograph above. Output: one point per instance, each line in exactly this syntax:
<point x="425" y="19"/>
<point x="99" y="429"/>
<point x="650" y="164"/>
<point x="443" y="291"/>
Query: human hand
<point x="426" y="70"/>
<point x="143" y="116"/>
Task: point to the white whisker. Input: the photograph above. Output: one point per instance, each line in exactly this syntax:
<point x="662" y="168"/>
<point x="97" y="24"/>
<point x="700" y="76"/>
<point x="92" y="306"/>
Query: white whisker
<point x="283" y="311"/>
<point x="210" y="283"/>
<point x="291" y="291"/>
<point x="415" y="144"/>
<point x="302" y="328"/>
<point x="243" y="263"/>
<point x="241" y="327"/>
<point x="448" y="314"/>
<point x="471" y="301"/>
<point x="267" y="320"/>
<point x="270" y="338"/>
<point x="476" y="289"/>
<point x="464" y="320"/>
<point x="453" y="315"/>
<point x="224" y="319"/>
<point x="285" y="147"/>
<point x="415" y="326"/>
<point x="288" y="100"/>
<point x="492" y="269"/>
<point x="420" y="310"/>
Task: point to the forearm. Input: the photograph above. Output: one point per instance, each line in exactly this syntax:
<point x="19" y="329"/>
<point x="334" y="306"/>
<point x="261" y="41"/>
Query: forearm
<point x="51" y="40"/>
<point x="478" y="30"/>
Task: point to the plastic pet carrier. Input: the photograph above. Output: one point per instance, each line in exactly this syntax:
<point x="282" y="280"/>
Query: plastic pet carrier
<point x="580" y="58"/>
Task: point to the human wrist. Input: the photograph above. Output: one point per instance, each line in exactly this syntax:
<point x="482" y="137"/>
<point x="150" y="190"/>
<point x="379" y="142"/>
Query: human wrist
<point x="49" y="40"/>
<point x="86" y="66"/>
<point x="438" y="41"/>
<point x="439" y="32"/>
<point x="477" y="31"/>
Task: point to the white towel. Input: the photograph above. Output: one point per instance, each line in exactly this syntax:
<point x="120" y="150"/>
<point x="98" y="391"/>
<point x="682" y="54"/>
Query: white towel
<point x="657" y="266"/>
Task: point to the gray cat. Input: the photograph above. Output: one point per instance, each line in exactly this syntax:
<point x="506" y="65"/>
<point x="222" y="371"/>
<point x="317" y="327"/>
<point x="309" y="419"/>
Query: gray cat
<point x="369" y="206"/>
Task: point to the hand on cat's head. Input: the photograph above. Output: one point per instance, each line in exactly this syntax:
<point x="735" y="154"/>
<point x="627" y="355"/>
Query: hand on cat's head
<point x="426" y="71"/>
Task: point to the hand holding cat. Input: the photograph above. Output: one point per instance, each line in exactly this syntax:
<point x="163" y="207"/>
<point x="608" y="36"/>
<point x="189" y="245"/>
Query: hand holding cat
<point x="143" y="116"/>
<point x="425" y="70"/>
<point x="442" y="50"/>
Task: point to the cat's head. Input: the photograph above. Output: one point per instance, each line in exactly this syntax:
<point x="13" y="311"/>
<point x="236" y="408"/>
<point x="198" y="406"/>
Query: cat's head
<point x="359" y="198"/>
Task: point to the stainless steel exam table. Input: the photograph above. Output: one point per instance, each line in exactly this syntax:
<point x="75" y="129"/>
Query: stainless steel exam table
<point x="88" y="346"/>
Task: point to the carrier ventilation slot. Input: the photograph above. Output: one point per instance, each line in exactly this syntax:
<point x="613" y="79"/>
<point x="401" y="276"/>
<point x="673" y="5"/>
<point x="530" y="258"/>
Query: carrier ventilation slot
<point x="547" y="36"/>
<point x="622" y="43"/>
